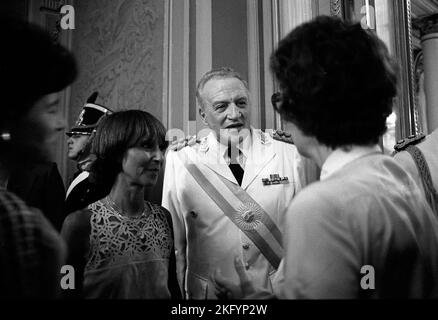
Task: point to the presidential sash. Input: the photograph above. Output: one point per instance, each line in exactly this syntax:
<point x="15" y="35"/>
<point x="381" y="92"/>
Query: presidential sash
<point x="241" y="209"/>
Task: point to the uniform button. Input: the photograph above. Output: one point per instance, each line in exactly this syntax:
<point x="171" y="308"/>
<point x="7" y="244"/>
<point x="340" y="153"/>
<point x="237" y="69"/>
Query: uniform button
<point x="245" y="246"/>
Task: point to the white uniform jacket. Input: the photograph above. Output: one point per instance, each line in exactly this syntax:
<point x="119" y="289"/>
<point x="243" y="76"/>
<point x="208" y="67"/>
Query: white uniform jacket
<point x="205" y="238"/>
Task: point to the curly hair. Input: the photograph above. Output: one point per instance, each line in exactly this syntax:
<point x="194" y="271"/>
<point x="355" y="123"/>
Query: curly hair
<point x="337" y="80"/>
<point x="117" y="133"/>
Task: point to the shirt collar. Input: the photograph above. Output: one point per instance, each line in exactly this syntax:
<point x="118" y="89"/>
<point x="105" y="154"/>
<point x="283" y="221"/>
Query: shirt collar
<point x="339" y="158"/>
<point x="244" y="147"/>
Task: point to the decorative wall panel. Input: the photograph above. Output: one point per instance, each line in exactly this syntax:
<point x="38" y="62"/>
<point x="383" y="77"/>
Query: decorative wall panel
<point x="119" y="48"/>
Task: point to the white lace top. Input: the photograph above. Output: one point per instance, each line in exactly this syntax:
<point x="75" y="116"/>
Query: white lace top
<point x="128" y="257"/>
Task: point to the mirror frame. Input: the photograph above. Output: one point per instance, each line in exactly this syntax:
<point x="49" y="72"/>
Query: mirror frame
<point x="408" y="112"/>
<point x="402" y="48"/>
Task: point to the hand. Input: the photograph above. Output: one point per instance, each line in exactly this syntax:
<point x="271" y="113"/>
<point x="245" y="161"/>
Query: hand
<point x="282" y="136"/>
<point x="183" y="142"/>
<point x="227" y="290"/>
<point x="282" y="133"/>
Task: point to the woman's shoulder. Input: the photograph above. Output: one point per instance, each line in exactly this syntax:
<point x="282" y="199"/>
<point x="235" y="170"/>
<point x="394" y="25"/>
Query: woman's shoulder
<point x="160" y="211"/>
<point x="157" y="208"/>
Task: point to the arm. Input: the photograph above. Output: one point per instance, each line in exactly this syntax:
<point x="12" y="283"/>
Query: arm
<point x="170" y="202"/>
<point x="76" y="232"/>
<point x="172" y="277"/>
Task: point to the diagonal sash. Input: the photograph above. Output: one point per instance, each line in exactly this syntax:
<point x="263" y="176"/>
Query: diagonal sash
<point x="242" y="210"/>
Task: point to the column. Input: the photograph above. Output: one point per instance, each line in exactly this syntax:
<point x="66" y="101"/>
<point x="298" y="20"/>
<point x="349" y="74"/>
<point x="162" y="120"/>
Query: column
<point x="429" y="42"/>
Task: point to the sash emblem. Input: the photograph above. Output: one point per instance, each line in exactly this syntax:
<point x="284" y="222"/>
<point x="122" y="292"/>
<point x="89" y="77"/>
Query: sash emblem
<point x="248" y="216"/>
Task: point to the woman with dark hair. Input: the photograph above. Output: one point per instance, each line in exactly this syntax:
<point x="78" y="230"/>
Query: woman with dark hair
<point x="34" y="70"/>
<point x="122" y="246"/>
<point x="364" y="230"/>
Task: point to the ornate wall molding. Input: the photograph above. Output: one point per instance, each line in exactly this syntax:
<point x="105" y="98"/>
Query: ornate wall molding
<point x="119" y="48"/>
<point x="255" y="66"/>
<point x="402" y="49"/>
<point x="336" y="8"/>
<point x="420" y="110"/>
<point x="51" y="8"/>
<point x="426" y="25"/>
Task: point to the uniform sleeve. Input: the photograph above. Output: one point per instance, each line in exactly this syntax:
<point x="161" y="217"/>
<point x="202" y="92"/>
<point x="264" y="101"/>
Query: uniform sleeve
<point x="171" y="202"/>
<point x="320" y="259"/>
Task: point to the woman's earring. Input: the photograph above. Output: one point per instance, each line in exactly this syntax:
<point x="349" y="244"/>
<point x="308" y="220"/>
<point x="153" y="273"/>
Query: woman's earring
<point x="5" y="136"/>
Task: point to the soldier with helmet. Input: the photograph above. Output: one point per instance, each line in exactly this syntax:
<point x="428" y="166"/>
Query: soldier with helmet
<point x="80" y="191"/>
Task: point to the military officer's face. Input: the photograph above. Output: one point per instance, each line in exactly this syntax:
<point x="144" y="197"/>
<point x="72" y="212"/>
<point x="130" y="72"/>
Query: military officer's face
<point x="226" y="109"/>
<point x="76" y="143"/>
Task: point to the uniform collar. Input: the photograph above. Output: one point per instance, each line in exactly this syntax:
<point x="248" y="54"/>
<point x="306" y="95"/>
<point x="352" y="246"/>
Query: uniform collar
<point x="340" y="157"/>
<point x="85" y="164"/>
<point x="244" y="147"/>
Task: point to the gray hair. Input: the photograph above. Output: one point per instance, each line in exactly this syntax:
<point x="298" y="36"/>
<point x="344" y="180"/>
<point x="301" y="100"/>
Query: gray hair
<point x="223" y="72"/>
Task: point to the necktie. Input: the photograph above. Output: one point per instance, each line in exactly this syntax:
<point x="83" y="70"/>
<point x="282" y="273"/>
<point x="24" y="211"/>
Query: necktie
<point x="236" y="169"/>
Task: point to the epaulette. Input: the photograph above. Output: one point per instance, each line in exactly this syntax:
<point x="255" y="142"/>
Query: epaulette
<point x="283" y="136"/>
<point x="203" y="144"/>
<point x="409" y="141"/>
<point x="184" y="142"/>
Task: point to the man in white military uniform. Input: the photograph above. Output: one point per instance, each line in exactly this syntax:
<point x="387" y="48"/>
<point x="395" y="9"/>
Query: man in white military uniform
<point x="227" y="194"/>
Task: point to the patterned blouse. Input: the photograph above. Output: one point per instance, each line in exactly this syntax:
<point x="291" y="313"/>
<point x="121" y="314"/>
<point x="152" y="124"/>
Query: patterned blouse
<point x="128" y="256"/>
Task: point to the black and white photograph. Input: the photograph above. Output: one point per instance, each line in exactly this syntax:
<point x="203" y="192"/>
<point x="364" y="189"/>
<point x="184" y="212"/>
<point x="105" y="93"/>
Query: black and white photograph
<point x="218" y="159"/>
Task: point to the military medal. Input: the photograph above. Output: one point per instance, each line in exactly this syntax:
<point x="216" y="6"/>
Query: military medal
<point x="275" y="179"/>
